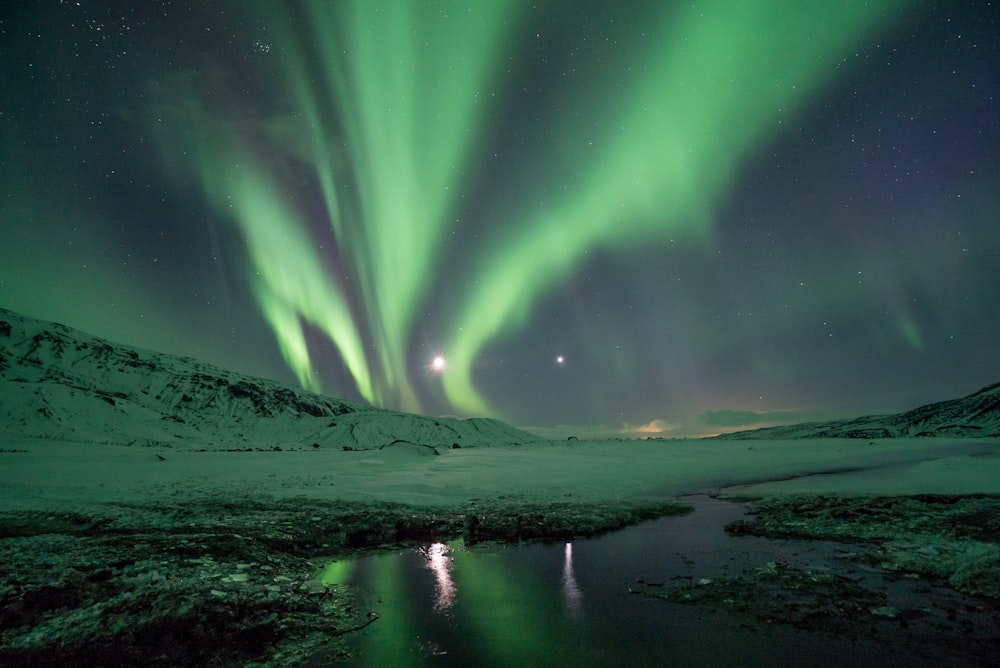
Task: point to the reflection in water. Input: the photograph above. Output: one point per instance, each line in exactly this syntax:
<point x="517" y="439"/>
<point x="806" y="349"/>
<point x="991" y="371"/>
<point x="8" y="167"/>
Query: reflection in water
<point x="524" y="605"/>
<point x="337" y="572"/>
<point x="572" y="596"/>
<point x="440" y="563"/>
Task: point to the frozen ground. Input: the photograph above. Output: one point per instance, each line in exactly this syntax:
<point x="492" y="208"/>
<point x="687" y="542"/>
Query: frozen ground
<point x="162" y="555"/>
<point x="51" y="474"/>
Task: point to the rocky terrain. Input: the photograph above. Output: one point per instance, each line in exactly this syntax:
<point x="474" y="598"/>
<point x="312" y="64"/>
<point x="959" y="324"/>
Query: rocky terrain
<point x="919" y="572"/>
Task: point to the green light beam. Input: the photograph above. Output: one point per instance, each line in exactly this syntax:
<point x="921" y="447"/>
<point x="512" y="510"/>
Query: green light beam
<point x="724" y="78"/>
<point x="403" y="91"/>
<point x="289" y="279"/>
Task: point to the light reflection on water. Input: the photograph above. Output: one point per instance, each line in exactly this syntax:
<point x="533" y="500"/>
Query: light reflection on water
<point x="572" y="595"/>
<point x="569" y="603"/>
<point x="440" y="563"/>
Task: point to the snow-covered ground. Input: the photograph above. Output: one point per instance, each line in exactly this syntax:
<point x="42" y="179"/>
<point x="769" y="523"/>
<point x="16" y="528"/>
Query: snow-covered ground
<point x="89" y="425"/>
<point x="46" y="474"/>
<point x="86" y="422"/>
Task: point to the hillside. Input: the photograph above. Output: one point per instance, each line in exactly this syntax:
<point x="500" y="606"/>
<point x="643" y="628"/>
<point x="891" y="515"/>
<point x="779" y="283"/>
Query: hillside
<point x="977" y="415"/>
<point x="62" y="384"/>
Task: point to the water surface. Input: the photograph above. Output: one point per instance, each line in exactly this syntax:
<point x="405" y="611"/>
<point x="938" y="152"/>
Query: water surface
<point x="573" y="603"/>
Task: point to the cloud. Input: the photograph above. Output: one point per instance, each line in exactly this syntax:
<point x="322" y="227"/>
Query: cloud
<point x="651" y="428"/>
<point x="604" y="432"/>
<point x="707" y="424"/>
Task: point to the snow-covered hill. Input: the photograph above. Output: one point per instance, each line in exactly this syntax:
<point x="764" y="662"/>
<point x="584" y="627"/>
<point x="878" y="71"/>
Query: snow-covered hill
<point x="975" y="415"/>
<point x="60" y="383"/>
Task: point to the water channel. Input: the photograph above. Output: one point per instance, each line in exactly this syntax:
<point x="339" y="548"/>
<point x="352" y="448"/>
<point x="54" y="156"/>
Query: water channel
<point x="573" y="603"/>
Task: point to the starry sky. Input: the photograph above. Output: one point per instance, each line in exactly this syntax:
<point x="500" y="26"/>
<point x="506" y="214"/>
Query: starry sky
<point x="642" y="218"/>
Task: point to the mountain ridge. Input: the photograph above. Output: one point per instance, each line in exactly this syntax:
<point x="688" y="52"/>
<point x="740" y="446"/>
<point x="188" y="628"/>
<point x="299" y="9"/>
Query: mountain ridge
<point x="976" y="415"/>
<point x="58" y="382"/>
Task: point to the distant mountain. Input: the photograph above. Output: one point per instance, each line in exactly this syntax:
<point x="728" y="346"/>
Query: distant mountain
<point x="60" y="383"/>
<point x="977" y="415"/>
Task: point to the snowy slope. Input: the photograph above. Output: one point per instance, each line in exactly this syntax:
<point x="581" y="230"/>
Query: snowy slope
<point x="975" y="415"/>
<point x="60" y="383"/>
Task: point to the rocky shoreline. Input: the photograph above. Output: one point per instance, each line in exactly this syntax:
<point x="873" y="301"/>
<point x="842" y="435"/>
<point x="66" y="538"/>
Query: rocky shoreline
<point x="228" y="583"/>
<point x="235" y="582"/>
<point x="918" y="573"/>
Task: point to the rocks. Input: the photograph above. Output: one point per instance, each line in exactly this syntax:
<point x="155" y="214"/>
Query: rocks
<point x="884" y="611"/>
<point x="954" y="538"/>
<point x="979" y="575"/>
<point x="153" y="597"/>
<point x="313" y="586"/>
<point x="918" y="571"/>
<point x="162" y="585"/>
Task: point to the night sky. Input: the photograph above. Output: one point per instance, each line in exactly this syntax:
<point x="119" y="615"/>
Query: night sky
<point x="646" y="218"/>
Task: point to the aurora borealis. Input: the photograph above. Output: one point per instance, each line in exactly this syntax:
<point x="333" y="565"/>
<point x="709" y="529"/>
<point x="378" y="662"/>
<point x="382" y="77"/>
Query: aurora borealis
<point x="654" y="217"/>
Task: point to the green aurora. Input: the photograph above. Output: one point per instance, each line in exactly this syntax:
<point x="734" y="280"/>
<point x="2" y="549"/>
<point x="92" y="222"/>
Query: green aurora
<point x="693" y="112"/>
<point x="379" y="96"/>
<point x="621" y="215"/>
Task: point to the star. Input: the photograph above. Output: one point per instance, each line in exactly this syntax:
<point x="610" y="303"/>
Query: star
<point x="439" y="363"/>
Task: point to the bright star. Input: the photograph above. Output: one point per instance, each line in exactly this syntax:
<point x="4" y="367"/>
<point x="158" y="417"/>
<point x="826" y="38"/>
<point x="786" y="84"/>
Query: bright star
<point x="439" y="363"/>
<point x="560" y="359"/>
